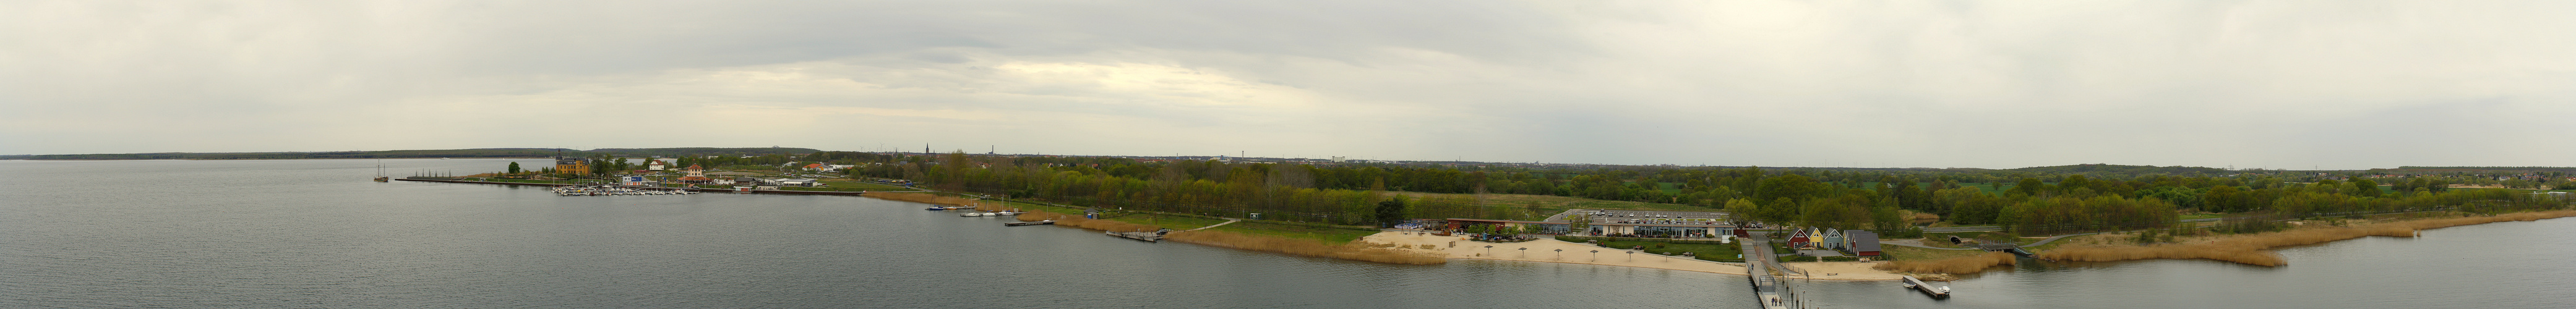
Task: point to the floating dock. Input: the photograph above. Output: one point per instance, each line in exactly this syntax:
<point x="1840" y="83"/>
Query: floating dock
<point x="1926" y="287"/>
<point x="1040" y="222"/>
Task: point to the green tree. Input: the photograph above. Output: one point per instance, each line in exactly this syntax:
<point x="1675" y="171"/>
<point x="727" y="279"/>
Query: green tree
<point x="1911" y="197"/>
<point x="1780" y="211"/>
<point x="1791" y="186"/>
<point x="514" y="167"/>
<point x="1739" y="211"/>
<point x="2365" y="188"/>
<point x="2029" y="186"/>
<point x="1887" y="220"/>
<point x="2073" y="182"/>
<point x="2223" y="199"/>
<point x="1390" y="212"/>
<point x="1578" y="223"/>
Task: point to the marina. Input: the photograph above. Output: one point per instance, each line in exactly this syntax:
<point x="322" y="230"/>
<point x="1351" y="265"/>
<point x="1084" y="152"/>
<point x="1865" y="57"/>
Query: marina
<point x="603" y="190"/>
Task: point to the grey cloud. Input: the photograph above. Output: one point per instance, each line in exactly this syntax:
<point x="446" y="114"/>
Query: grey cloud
<point x="1932" y="84"/>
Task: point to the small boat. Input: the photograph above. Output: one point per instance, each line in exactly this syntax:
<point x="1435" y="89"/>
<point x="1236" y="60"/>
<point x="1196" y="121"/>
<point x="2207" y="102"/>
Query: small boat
<point x="975" y="214"/>
<point x="380" y="171"/>
<point x="1039" y="222"/>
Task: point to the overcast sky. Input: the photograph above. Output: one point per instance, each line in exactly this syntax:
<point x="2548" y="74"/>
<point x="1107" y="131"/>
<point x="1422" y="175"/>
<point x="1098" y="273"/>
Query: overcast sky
<point x="2002" y="84"/>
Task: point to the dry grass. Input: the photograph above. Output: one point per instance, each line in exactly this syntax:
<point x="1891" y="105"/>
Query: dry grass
<point x="1912" y="217"/>
<point x="1355" y="251"/>
<point x="1958" y="265"/>
<point x="2250" y="249"/>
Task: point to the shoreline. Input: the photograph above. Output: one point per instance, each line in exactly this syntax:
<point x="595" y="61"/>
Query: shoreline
<point x="2247" y="249"/>
<point x="2256" y="249"/>
<point x="1542" y="251"/>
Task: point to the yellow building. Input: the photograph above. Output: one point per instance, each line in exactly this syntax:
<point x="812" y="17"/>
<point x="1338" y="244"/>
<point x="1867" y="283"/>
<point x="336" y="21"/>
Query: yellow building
<point x="576" y="166"/>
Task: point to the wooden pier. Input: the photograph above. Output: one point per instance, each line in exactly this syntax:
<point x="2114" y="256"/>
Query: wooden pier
<point x="1041" y="222"/>
<point x="1919" y="285"/>
<point x="1154" y="236"/>
<point x="1767" y="289"/>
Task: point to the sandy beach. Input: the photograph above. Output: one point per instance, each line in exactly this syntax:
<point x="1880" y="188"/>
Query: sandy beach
<point x="1545" y="250"/>
<point x="1848" y="271"/>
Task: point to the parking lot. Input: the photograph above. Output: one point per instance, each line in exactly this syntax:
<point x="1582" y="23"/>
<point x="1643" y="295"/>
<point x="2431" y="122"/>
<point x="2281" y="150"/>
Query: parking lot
<point x="1645" y="217"/>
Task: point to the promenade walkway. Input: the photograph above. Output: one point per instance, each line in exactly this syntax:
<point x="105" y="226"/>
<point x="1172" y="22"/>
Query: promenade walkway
<point x="1227" y="221"/>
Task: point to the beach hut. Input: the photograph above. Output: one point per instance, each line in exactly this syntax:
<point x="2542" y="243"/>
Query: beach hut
<point x="1799" y="238"/>
<point x="1832" y="239"/>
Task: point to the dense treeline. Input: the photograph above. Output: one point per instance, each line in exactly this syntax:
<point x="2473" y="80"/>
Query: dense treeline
<point x="2110" y="198"/>
<point x="1200" y="187"/>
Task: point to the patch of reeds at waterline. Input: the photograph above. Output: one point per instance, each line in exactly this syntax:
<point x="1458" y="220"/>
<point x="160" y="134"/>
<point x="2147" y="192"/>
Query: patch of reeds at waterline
<point x="2249" y="249"/>
<point x="1956" y="265"/>
<point x="1306" y="247"/>
<point x="924" y="198"/>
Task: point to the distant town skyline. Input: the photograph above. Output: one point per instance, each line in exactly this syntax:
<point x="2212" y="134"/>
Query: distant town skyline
<point x="1983" y="84"/>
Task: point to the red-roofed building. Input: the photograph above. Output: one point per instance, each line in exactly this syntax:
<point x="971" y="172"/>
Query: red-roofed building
<point x="696" y="174"/>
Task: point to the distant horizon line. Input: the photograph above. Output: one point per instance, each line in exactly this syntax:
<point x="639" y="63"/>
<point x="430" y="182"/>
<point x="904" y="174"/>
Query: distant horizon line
<point x="13" y="157"/>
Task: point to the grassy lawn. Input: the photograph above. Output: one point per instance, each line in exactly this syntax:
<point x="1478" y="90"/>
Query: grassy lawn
<point x="856" y="185"/>
<point x="1943" y="239"/>
<point x="1328" y="235"/>
<point x="1921" y="254"/>
<point x="1722" y="252"/>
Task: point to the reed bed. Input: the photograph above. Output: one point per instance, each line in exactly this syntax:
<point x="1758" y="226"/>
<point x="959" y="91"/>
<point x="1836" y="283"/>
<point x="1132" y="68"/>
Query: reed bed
<point x="1957" y="265"/>
<point x="1304" y="247"/>
<point x="925" y="198"/>
<point x="2251" y="249"/>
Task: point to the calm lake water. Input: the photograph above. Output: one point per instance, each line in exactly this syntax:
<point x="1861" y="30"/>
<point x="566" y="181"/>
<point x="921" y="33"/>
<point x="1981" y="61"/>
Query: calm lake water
<point x="316" y="233"/>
